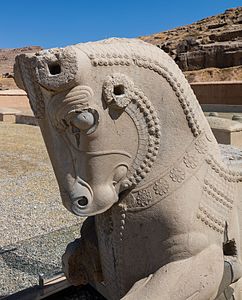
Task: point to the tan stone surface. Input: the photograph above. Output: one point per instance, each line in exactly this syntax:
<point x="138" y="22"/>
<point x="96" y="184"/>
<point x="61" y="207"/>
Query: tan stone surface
<point x="133" y="151"/>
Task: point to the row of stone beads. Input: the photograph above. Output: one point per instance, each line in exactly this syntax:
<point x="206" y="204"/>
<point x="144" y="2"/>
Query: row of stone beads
<point x="122" y="225"/>
<point x="179" y="91"/>
<point x="210" y="224"/>
<point x="103" y="59"/>
<point x="153" y="128"/>
<point x="110" y="59"/>
<point x="113" y="62"/>
<point x="217" y="198"/>
<point x="223" y="168"/>
<point x="215" y="190"/>
<point x="149" y="113"/>
<point x="227" y="174"/>
<point x="211" y="217"/>
<point x="119" y="248"/>
<point x="108" y="55"/>
<point x="168" y="182"/>
<point x="156" y="67"/>
<point x="142" y="136"/>
<point x="210" y="220"/>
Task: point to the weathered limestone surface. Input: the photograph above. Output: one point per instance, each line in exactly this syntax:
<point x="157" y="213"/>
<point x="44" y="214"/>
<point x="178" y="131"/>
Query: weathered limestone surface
<point x="217" y="54"/>
<point x="133" y="151"/>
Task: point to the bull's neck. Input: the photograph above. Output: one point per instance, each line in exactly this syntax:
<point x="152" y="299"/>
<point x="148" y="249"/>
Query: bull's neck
<point x="167" y="180"/>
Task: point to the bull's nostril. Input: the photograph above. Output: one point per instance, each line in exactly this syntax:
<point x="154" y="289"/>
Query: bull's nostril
<point x="83" y="201"/>
<point x="54" y="68"/>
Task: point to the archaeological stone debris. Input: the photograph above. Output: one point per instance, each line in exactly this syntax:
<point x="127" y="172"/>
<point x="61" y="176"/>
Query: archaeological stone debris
<point x="133" y="152"/>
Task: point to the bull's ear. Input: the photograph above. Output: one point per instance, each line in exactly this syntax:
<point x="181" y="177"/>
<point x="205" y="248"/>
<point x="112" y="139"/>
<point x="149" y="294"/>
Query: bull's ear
<point x="25" y="78"/>
<point x="17" y="75"/>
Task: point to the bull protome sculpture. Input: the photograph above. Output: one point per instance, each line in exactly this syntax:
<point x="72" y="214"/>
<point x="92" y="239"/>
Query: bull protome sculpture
<point x="133" y="152"/>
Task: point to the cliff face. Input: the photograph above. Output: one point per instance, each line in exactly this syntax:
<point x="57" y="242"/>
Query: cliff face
<point x="214" y="42"/>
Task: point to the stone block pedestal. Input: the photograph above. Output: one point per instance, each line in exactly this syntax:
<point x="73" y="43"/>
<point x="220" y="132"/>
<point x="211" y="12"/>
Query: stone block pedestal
<point x="226" y="131"/>
<point x="8" y="114"/>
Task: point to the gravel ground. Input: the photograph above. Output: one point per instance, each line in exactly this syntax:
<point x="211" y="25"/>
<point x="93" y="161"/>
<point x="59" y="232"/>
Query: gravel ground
<point x="21" y="263"/>
<point x="35" y="227"/>
<point x="30" y="204"/>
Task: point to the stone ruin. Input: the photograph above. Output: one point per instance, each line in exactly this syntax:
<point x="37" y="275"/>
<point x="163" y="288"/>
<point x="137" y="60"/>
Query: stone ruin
<point x="133" y="152"/>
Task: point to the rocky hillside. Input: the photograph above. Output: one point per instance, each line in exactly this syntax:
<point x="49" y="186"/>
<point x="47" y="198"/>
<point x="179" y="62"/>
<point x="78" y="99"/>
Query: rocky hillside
<point x="212" y="45"/>
<point x="7" y="57"/>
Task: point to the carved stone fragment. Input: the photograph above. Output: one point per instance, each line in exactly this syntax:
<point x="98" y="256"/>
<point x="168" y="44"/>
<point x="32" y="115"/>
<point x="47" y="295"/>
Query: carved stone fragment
<point x="133" y="152"/>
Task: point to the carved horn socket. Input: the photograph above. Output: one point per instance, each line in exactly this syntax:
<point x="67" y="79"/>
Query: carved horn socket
<point x="56" y="69"/>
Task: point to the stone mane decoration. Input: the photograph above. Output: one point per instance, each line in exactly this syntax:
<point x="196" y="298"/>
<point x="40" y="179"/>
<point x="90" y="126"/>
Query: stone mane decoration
<point x="133" y="152"/>
<point x="141" y="111"/>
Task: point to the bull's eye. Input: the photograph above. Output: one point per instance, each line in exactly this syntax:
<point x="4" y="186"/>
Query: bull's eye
<point x="85" y="121"/>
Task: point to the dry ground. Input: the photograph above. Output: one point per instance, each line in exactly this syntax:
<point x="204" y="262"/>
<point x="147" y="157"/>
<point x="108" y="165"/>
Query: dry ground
<point x="30" y="204"/>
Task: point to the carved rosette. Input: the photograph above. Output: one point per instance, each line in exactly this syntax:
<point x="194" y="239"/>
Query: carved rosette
<point x="144" y="198"/>
<point x="171" y="180"/>
<point x="201" y="146"/>
<point x="177" y="175"/>
<point x="190" y="161"/>
<point x="161" y="187"/>
<point x="119" y="92"/>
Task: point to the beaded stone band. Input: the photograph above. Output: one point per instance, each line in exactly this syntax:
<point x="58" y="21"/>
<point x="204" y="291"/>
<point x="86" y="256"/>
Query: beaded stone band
<point x="119" y="92"/>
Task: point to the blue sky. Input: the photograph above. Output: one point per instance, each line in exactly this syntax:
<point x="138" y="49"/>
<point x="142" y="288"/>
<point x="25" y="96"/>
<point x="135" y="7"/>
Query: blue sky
<point x="59" y="23"/>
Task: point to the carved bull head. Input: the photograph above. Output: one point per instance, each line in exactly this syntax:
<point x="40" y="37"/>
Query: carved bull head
<point x="100" y="127"/>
